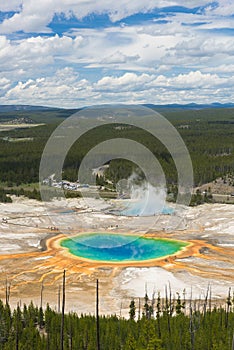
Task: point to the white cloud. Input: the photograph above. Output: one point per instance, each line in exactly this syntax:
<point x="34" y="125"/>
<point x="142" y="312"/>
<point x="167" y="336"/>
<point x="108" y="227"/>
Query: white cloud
<point x="129" y="48"/>
<point x="223" y="68"/>
<point x="112" y="48"/>
<point x="4" y="83"/>
<point x="127" y="82"/>
<point x="35" y="16"/>
<point x="181" y="60"/>
<point x="118" y="57"/>
<point x="134" y="82"/>
<point x="12" y="5"/>
<point x="63" y="89"/>
<point x="209" y="46"/>
<point x="32" y="54"/>
<point x="224" y="8"/>
<point x="67" y="89"/>
<point x="192" y="80"/>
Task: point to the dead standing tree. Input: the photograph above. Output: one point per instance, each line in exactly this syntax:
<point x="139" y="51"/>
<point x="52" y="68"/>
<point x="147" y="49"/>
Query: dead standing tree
<point x="63" y="310"/>
<point x="97" y="316"/>
<point x="42" y="289"/>
<point x="59" y="292"/>
<point x="7" y="291"/>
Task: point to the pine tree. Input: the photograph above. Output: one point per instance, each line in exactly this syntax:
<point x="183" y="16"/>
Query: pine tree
<point x="132" y="311"/>
<point x="130" y="343"/>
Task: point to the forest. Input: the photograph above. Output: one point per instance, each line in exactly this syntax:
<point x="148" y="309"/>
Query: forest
<point x="207" y="133"/>
<point x="169" y="324"/>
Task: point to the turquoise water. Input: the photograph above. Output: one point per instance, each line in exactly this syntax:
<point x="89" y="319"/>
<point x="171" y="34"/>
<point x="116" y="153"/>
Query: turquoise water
<point x="119" y="247"/>
<point x="136" y="210"/>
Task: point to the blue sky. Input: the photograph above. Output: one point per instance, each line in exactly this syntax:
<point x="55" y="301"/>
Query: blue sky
<point x="74" y="53"/>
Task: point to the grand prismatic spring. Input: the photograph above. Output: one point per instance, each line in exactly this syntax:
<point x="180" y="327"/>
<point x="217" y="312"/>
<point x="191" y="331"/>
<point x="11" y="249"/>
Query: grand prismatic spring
<point x="119" y="247"/>
<point x="122" y="254"/>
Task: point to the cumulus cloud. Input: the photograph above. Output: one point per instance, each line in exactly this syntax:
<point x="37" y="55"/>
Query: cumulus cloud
<point x="185" y="58"/>
<point x="66" y="89"/>
<point x="134" y="82"/>
<point x="30" y="55"/>
<point x="128" y="81"/>
<point x="118" y="57"/>
<point x="35" y="16"/>
<point x="209" y="46"/>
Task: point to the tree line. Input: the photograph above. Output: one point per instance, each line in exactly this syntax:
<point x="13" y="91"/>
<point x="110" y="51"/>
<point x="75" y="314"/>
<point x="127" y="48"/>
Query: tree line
<point x="160" y="323"/>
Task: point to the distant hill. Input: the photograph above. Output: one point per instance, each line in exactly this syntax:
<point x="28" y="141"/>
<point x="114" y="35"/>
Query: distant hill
<point x="10" y="108"/>
<point x="189" y="106"/>
<point x="50" y="115"/>
<point x="38" y="114"/>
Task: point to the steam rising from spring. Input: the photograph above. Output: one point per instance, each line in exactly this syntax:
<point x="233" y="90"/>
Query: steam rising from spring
<point x="145" y="199"/>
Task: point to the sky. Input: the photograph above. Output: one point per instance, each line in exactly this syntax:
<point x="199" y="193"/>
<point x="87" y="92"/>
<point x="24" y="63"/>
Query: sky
<point x="75" y="53"/>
